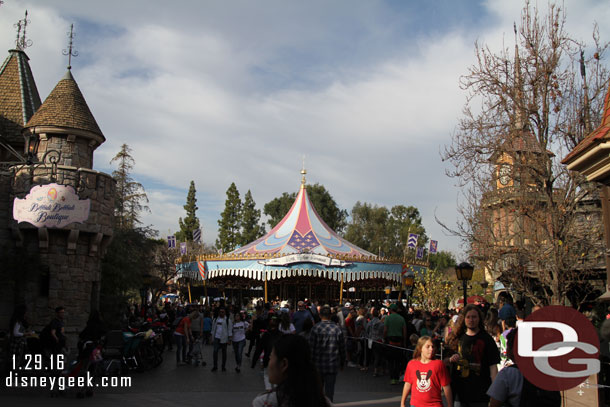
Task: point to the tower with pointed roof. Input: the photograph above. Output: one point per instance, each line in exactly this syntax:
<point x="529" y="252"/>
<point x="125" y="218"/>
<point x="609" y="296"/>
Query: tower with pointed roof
<point x="503" y="224"/>
<point x="65" y="123"/>
<point x="64" y="257"/>
<point x="515" y="221"/>
<point x="19" y="100"/>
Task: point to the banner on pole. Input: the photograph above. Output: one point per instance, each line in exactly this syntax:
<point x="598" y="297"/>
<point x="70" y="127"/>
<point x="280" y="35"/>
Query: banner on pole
<point x="420" y="253"/>
<point x="412" y="240"/>
<point x="197" y="235"/>
<point x="182" y="247"/>
<point x="433" y="246"/>
<point x="171" y="242"/>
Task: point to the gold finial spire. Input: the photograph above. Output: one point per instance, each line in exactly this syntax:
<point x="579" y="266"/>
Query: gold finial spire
<point x="303" y="172"/>
<point x="70" y="52"/>
<point x="22" y="42"/>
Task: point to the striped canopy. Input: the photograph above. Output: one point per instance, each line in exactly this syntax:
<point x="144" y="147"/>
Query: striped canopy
<point x="303" y="231"/>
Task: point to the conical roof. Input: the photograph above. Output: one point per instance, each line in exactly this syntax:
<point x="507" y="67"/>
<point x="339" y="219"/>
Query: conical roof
<point x="302" y="230"/>
<point x="66" y="107"/>
<point x="19" y="98"/>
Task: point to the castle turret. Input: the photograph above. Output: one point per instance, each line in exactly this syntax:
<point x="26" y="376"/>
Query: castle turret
<point x="19" y="100"/>
<point x="56" y="211"/>
<point x="65" y="124"/>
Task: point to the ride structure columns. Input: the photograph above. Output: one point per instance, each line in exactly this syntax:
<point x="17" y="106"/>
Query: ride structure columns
<point x="341" y="290"/>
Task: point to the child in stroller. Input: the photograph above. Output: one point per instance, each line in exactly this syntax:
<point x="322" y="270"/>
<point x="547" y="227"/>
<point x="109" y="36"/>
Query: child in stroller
<point x="194" y="356"/>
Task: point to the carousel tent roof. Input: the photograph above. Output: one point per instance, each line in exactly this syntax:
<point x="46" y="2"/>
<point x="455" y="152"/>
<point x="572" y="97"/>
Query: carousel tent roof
<point x="302" y="231"/>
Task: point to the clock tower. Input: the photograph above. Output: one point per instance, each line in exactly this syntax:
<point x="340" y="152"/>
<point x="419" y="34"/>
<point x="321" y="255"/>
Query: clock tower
<point x="512" y="209"/>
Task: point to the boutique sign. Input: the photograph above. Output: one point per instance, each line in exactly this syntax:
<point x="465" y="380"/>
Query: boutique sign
<point x="51" y="206"/>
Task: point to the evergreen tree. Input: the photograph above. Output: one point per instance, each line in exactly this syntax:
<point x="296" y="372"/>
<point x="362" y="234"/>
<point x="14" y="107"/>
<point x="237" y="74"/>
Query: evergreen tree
<point x="130" y="198"/>
<point x="229" y="235"/>
<point x="250" y="218"/>
<point x="190" y="222"/>
<point x="385" y="231"/>
<point x="442" y="260"/>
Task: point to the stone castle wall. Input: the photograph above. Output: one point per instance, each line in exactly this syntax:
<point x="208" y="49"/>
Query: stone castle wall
<point x="70" y="257"/>
<point x="75" y="151"/>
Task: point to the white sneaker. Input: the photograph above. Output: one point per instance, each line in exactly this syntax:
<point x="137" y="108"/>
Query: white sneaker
<point x="351" y="364"/>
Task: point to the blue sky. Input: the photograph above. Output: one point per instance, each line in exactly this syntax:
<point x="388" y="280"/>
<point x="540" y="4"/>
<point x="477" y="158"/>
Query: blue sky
<point x="239" y="91"/>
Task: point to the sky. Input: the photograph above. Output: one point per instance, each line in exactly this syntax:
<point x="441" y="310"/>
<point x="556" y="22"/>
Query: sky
<point x="240" y="91"/>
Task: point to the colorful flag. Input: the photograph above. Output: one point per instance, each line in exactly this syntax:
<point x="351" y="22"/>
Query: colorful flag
<point x="202" y="270"/>
<point x="420" y="253"/>
<point x="197" y="235"/>
<point x="433" y="246"/>
<point x="182" y="247"/>
<point x="412" y="240"/>
<point x="171" y="242"/>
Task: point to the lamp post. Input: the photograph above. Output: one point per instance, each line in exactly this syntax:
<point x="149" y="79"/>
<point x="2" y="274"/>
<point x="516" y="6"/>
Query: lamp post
<point x="408" y="281"/>
<point x="484" y="286"/>
<point x="464" y="273"/>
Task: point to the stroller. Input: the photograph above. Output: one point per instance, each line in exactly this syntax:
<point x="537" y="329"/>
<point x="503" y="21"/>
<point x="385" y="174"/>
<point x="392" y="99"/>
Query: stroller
<point x="83" y="366"/>
<point x="194" y="356"/>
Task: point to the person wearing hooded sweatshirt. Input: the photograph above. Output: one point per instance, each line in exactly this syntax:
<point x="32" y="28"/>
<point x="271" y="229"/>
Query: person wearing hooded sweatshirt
<point x="222" y="332"/>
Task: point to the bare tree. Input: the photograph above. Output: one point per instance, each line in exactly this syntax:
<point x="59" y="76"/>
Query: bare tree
<point x="528" y="220"/>
<point x="163" y="268"/>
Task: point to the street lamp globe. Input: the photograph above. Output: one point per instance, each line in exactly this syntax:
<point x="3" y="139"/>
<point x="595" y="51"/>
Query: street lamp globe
<point x="464" y="273"/>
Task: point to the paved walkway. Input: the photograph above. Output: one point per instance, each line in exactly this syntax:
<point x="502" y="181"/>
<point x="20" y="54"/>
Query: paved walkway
<point x="171" y="385"/>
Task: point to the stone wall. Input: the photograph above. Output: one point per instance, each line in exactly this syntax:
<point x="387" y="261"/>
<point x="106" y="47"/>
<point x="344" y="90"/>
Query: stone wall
<point x="70" y="258"/>
<point x="75" y="151"/>
<point x="6" y="246"/>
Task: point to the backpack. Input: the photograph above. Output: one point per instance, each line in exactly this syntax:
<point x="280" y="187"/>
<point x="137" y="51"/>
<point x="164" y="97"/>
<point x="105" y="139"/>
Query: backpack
<point x="176" y="322"/>
<point x="535" y="396"/>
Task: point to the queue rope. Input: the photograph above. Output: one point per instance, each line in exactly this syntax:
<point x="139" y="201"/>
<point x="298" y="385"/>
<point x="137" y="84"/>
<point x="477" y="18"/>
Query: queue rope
<point x="391" y="346"/>
<point x="413" y="350"/>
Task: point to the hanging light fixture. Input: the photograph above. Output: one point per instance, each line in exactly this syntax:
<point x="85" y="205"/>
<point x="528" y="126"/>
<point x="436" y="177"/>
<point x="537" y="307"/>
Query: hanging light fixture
<point x="31" y="146"/>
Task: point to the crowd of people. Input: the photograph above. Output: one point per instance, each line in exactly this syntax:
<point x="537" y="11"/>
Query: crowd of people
<point x="464" y="356"/>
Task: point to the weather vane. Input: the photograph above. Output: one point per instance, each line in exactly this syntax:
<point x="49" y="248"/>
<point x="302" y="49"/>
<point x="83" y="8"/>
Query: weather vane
<point x="22" y="42"/>
<point x="70" y="52"/>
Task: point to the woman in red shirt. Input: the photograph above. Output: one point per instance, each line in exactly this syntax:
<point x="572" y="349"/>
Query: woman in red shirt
<point x="425" y="377"/>
<point x="184" y="336"/>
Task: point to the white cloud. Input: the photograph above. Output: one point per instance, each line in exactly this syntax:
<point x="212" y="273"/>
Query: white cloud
<point x="218" y="93"/>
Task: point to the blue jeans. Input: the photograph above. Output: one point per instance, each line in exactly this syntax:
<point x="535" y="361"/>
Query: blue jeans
<point x="180" y="347"/>
<point x="238" y="348"/>
<point x="217" y="346"/>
